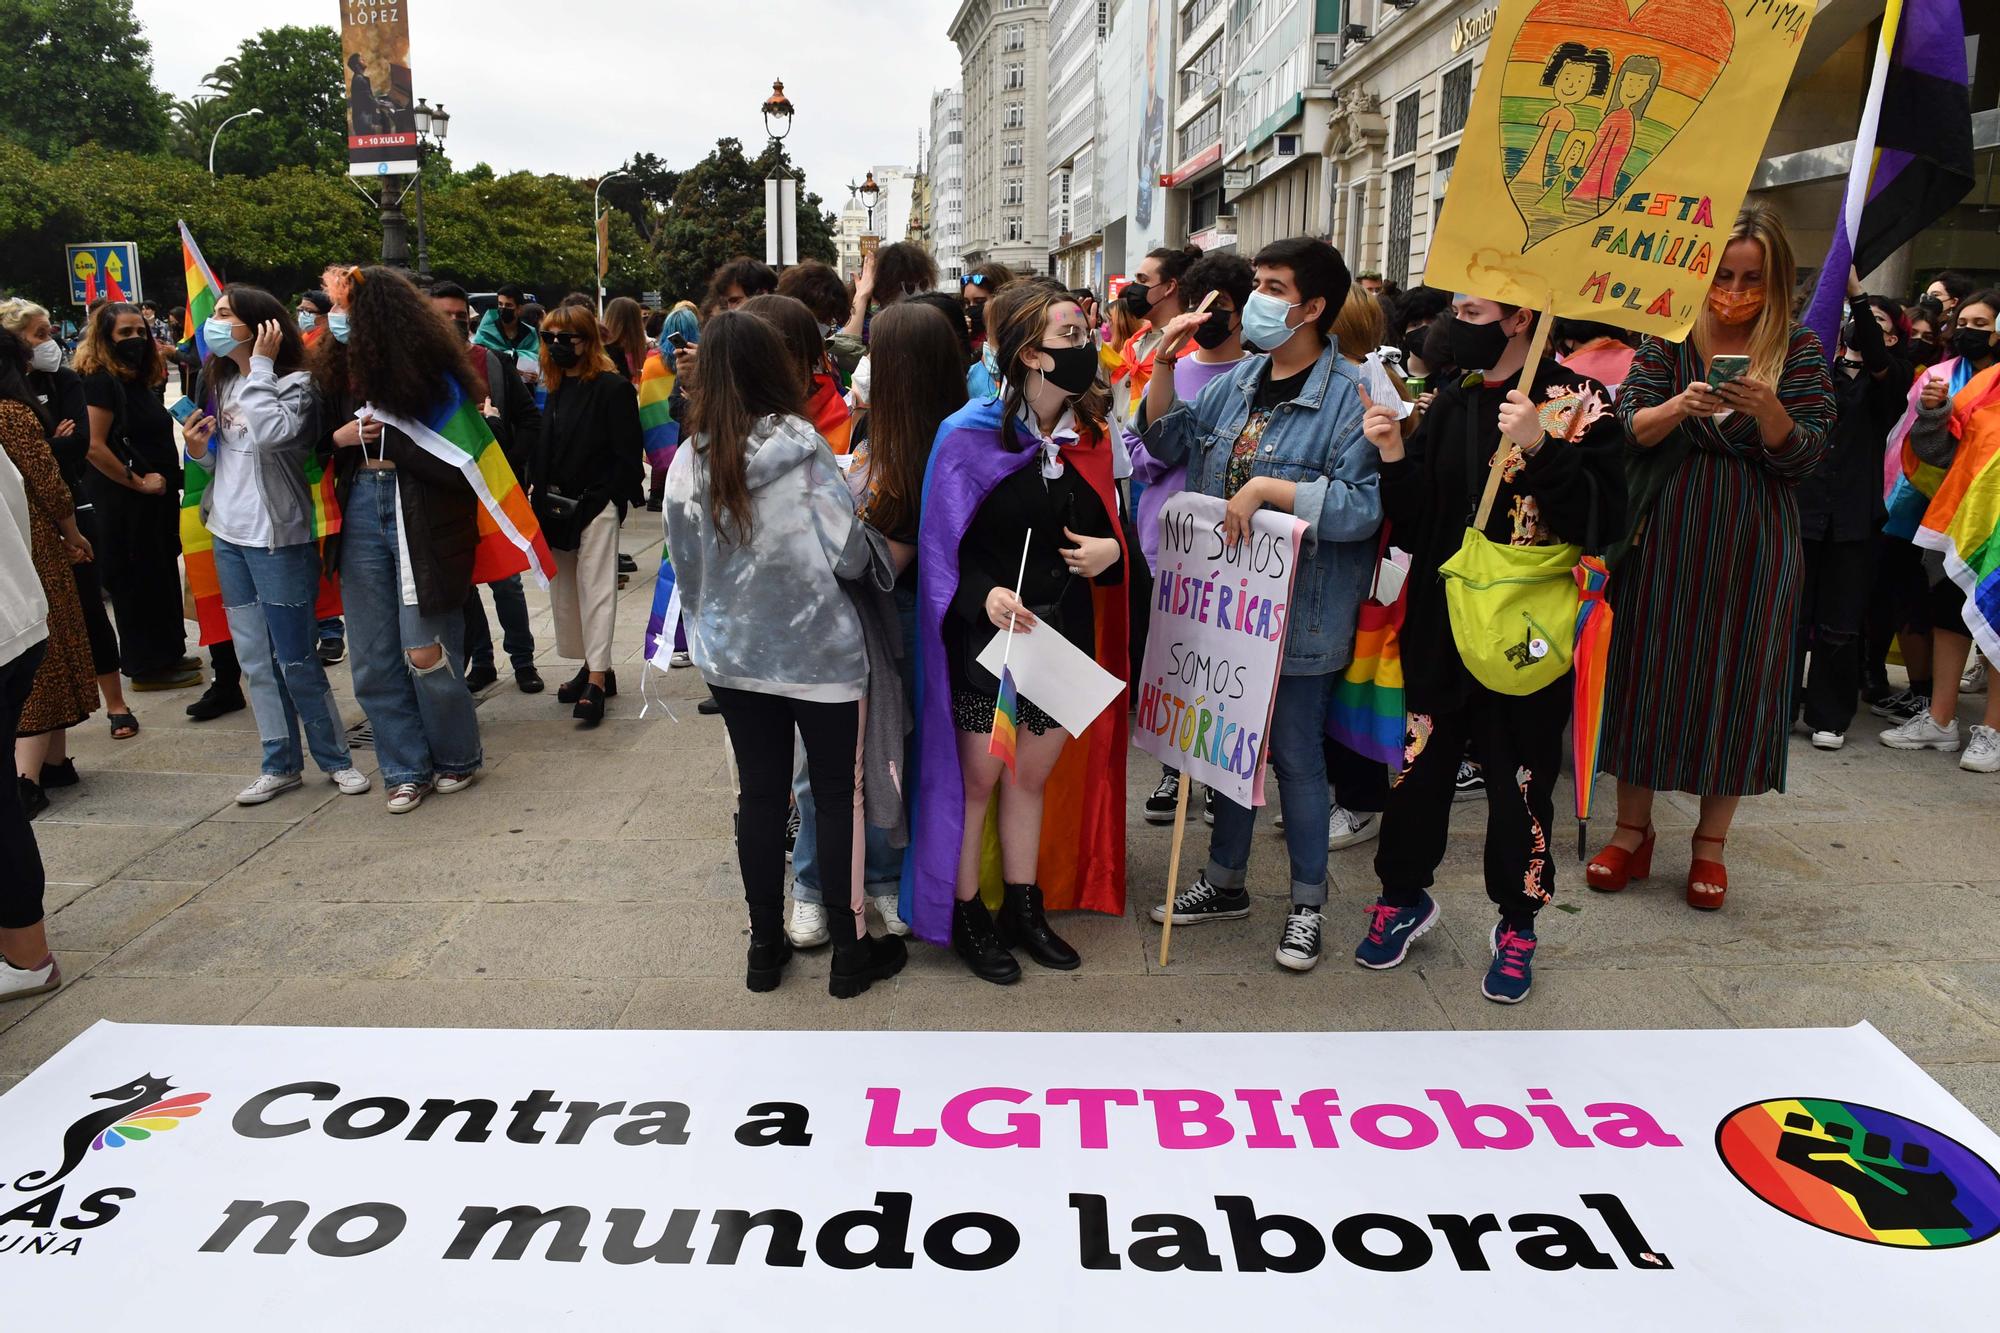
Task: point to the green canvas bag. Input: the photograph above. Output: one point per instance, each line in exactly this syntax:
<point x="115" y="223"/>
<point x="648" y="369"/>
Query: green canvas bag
<point x="1513" y="611"/>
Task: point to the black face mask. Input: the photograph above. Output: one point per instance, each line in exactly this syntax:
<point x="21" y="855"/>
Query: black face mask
<point x="1221" y="324"/>
<point x="1075" y="368"/>
<point x="976" y="314"/>
<point x="1413" y="341"/>
<point x="1138" y="299"/>
<point x="508" y="316"/>
<point x="133" y="353"/>
<point x="1477" y="346"/>
<point x="563" y="354"/>
<point x="1973" y="344"/>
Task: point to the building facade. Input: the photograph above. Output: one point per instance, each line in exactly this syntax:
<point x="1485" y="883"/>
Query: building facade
<point x="1003" y="48"/>
<point x="944" y="235"/>
<point x="1201" y="47"/>
<point x="1278" y="64"/>
<point x="890" y="220"/>
<point x="1075" y="40"/>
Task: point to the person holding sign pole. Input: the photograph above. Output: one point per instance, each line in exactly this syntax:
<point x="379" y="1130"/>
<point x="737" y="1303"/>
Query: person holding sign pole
<point x="1035" y="462"/>
<point x="1562" y="481"/>
<point x="1730" y="422"/>
<point x="1283" y="429"/>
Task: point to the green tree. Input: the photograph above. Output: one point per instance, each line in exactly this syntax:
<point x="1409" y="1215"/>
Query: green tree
<point x="291" y="75"/>
<point x="645" y="191"/>
<point x="77" y="72"/>
<point x="718" y="213"/>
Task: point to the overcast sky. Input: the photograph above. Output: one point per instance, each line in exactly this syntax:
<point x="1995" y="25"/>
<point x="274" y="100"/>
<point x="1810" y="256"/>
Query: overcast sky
<point x="576" y="86"/>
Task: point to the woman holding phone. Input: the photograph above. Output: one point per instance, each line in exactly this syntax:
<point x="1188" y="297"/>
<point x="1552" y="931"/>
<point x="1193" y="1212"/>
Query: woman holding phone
<point x="258" y="509"/>
<point x="1726" y="424"/>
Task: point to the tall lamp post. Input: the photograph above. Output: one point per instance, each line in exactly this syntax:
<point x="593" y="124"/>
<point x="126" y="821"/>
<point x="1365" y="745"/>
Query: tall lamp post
<point x="432" y="126"/>
<point x="781" y="193"/>
<point x="253" y="111"/>
<point x="871" y="194"/>
<point x="597" y="233"/>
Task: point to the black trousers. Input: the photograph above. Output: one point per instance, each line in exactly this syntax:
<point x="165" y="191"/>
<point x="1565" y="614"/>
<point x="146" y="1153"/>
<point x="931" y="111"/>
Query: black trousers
<point x="1839" y="579"/>
<point x="90" y="592"/>
<point x="21" y="876"/>
<point x="1520" y="741"/>
<point x="1897" y="602"/>
<point x="139" y="562"/>
<point x="760" y="731"/>
<point x="1359" y="783"/>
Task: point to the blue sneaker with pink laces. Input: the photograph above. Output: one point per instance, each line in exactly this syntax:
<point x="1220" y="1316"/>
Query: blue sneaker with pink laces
<point x="1512" y="972"/>
<point x="1392" y="930"/>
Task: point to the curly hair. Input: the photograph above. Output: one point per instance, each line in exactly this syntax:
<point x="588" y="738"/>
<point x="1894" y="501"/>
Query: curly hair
<point x="399" y="349"/>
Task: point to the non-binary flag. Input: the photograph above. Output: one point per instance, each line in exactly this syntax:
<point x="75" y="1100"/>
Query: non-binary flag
<point x="1912" y="152"/>
<point x="1006" y="721"/>
<point x="203" y="292"/>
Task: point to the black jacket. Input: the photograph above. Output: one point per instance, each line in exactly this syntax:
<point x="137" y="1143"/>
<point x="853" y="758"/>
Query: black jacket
<point x="1431" y="494"/>
<point x="440" y="512"/>
<point x="591" y="444"/>
<point x="1842" y="499"/>
<point x="517" y="422"/>
<point x="61" y="391"/>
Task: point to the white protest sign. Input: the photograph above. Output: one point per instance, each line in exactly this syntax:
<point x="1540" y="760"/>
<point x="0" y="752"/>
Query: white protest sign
<point x="1055" y="675"/>
<point x="409" y="1179"/>
<point x="1216" y="643"/>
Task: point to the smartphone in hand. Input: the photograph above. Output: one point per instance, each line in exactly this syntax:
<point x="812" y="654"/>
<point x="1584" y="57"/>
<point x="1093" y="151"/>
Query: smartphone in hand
<point x="184" y="409"/>
<point x="1723" y="369"/>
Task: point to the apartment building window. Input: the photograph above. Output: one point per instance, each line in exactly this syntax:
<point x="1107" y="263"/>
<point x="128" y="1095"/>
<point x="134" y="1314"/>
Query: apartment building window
<point x="1198" y="133"/>
<point x="1010" y="155"/>
<point x="1193" y="12"/>
<point x="1015" y="76"/>
<point x="1407" y="111"/>
<point x="1402" y="203"/>
<point x="1440" y="181"/>
<point x="1016" y="38"/>
<point x="1014" y="116"/>
<point x="1013" y="192"/>
<point x="1454" y="99"/>
<point x="1357" y="214"/>
<point x="1197" y="73"/>
<point x="1012" y="229"/>
<point x="1013" y="4"/>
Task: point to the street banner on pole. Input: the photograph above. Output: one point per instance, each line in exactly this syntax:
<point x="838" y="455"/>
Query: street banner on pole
<point x="788" y="212"/>
<point x="1215" y="645"/>
<point x="103" y="271"/>
<point x="1607" y="151"/>
<point x="774" y="224"/>
<point x="327" y="1178"/>
<point x="375" y="60"/>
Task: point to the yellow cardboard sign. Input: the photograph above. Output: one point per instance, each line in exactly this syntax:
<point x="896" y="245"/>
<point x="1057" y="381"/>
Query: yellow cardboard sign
<point x="1608" y="149"/>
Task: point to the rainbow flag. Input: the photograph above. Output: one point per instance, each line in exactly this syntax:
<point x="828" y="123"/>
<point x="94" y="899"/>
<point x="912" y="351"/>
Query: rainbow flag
<point x="1366" y="711"/>
<point x="203" y="292"/>
<point x="1006" y="720"/>
<point x="666" y="615"/>
<point x="198" y="547"/>
<point x="1963" y="520"/>
<point x="1126" y="364"/>
<point x="510" y="538"/>
<point x="828" y="413"/>
<point x="656" y="418"/>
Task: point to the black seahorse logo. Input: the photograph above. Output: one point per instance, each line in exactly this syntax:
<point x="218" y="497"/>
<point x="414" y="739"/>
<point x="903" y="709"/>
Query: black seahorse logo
<point x="139" y="1093"/>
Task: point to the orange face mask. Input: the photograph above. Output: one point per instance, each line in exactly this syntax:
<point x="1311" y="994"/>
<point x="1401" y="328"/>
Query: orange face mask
<point x="1735" y="308"/>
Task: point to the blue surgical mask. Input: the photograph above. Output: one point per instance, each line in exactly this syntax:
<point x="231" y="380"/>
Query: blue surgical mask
<point x="308" y="321"/>
<point x="336" y="324"/>
<point x="1264" y="326"/>
<point x="216" y="333"/>
<point x="989" y="359"/>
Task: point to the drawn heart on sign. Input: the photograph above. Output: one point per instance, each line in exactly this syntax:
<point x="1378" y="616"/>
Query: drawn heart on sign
<point x="1593" y="91"/>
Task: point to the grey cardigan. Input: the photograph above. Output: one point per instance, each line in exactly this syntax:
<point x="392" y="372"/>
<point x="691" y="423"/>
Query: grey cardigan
<point x="277" y="419"/>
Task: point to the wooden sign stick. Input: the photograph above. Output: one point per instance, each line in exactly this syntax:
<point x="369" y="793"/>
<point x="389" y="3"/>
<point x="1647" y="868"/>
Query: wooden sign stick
<point x="1505" y="454"/>
<point x="1201" y="309"/>
<point x="1174" y="860"/>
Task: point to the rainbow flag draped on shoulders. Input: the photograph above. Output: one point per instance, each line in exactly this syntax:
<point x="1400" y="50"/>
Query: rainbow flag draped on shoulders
<point x="827" y="410"/>
<point x="197" y="543"/>
<point x="662" y="434"/>
<point x="1963" y="520"/>
<point x="510" y="537"/>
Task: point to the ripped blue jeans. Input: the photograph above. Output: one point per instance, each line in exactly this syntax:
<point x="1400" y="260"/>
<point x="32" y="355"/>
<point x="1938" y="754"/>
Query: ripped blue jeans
<point x="269" y="596"/>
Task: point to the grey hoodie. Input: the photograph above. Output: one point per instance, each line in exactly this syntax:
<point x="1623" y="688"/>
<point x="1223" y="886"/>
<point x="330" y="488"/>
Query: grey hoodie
<point x="265" y="429"/>
<point x="769" y="615"/>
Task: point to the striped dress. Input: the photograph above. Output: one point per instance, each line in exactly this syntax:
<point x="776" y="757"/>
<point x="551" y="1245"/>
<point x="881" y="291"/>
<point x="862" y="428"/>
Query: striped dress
<point x="1700" y="675"/>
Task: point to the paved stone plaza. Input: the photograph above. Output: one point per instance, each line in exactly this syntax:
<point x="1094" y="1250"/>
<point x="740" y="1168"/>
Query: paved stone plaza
<point x="587" y="880"/>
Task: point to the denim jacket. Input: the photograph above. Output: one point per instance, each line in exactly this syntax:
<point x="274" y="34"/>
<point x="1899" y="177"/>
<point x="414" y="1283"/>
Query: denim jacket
<point x="1316" y="442"/>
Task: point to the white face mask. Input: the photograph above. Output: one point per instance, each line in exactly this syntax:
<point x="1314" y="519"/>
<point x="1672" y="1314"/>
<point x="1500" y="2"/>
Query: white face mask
<point x="46" y="357"/>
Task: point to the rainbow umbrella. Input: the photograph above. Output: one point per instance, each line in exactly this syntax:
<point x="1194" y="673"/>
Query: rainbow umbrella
<point x="1592" y="654"/>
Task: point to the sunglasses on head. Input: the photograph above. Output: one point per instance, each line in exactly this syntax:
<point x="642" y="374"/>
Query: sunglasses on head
<point x="976" y="280"/>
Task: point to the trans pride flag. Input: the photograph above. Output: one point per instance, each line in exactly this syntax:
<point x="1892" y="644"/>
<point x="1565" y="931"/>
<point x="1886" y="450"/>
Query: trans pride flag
<point x="656" y="419"/>
<point x="1963" y="520"/>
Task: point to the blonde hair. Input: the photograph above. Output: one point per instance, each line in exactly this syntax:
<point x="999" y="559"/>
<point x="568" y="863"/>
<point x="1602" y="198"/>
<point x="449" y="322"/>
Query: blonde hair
<point x="1771" y="335"/>
<point x="16" y="315"/>
<point x="1359" y="326"/>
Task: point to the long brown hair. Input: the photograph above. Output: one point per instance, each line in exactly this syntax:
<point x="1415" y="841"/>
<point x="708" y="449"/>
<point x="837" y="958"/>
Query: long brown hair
<point x="796" y="325"/>
<point x="94" y="354"/>
<point x="919" y="381"/>
<point x="741" y="376"/>
<point x="399" y="349"/>
<point x="1016" y="320"/>
<point x="591" y="358"/>
<point x="1771" y="335"/>
<point x="625" y="329"/>
<point x="1359" y="326"/>
<point x="253" y="307"/>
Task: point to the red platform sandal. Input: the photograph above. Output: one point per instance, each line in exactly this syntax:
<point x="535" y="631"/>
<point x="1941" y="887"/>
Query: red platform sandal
<point x="1615" y="867"/>
<point x="1708" y="881"/>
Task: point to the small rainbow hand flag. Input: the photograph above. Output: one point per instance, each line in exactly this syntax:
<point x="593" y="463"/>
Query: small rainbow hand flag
<point x="656" y="418"/>
<point x="1006" y="720"/>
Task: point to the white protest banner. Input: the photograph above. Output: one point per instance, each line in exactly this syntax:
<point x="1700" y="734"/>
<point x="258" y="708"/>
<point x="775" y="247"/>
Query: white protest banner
<point x="1216" y="643"/>
<point x="322" y="1178"/>
<point x="1057" y="676"/>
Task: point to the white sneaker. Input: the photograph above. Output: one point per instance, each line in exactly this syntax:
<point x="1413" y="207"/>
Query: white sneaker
<point x="1828" y="740"/>
<point x="1349" y="828"/>
<point x="807" y="928"/>
<point x="680" y="659"/>
<point x="447" y="783"/>
<point x="17" y="983"/>
<point x="351" y="781"/>
<point x="1922" y="733"/>
<point x="1974" y="679"/>
<point x="407" y="796"/>
<point x="1982" y="751"/>
<point x="266" y="786"/>
<point x="887" y="907"/>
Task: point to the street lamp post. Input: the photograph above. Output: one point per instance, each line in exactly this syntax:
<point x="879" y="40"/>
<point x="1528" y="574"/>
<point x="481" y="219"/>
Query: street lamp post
<point x="597" y="232"/>
<point x="871" y="194"/>
<point x="781" y="229"/>
<point x="253" y="111"/>
<point x="432" y="125"/>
